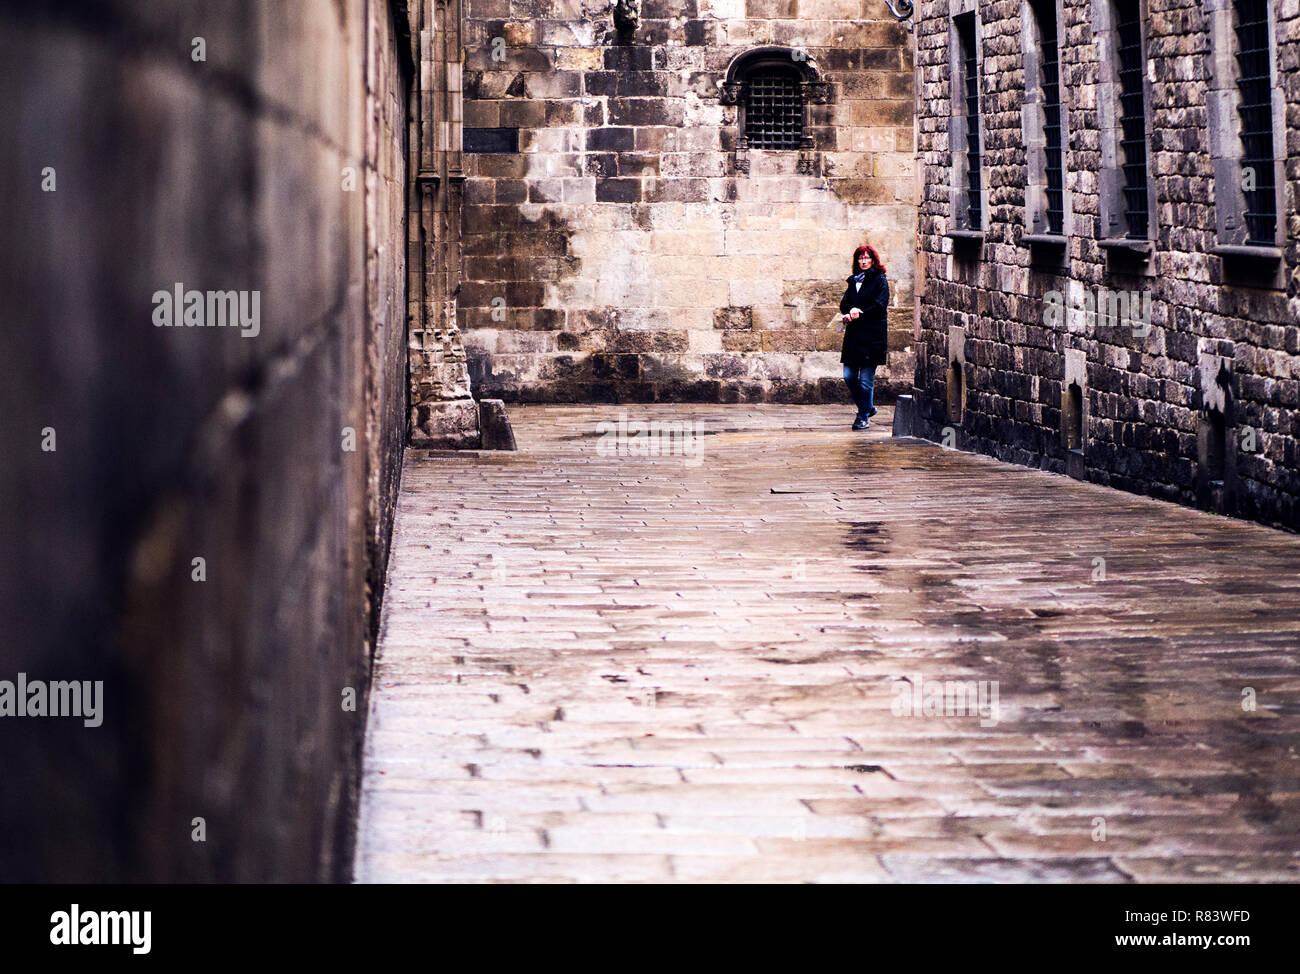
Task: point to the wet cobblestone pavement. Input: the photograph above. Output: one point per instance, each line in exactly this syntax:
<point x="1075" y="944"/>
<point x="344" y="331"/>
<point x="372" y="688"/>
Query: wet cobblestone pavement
<point x="722" y="667"/>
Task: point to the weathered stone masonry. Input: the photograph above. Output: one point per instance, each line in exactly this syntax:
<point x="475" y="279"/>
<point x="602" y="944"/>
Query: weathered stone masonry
<point x="443" y="411"/>
<point x="276" y="165"/>
<point x="1204" y="408"/>
<point x="624" y="246"/>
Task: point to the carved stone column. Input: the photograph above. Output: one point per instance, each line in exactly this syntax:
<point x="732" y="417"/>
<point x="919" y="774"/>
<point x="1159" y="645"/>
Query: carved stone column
<point x="443" y="411"/>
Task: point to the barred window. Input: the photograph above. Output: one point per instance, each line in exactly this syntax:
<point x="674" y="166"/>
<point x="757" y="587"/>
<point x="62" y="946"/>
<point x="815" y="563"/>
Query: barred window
<point x="776" y="91"/>
<point x="1254" y="84"/>
<point x="1050" y="82"/>
<point x="1245" y="115"/>
<point x="774" y="108"/>
<point x="969" y="90"/>
<point x="1133" y="116"/>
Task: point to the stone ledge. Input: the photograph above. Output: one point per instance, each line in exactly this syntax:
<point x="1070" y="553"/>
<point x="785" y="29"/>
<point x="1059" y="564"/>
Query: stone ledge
<point x="1125" y="245"/>
<point x="1248" y="252"/>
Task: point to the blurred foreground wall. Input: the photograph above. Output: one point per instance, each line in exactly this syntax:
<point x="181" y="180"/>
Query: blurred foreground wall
<point x="225" y="146"/>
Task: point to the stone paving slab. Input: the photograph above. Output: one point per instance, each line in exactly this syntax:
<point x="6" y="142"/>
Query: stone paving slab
<point x="599" y="666"/>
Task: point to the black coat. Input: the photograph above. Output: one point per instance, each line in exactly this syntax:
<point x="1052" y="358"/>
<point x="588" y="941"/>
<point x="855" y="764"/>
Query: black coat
<point x="866" y="341"/>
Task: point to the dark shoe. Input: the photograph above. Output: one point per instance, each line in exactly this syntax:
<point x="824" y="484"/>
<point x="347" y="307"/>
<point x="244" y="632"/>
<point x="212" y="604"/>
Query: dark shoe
<point x="872" y="413"/>
<point x="860" y="424"/>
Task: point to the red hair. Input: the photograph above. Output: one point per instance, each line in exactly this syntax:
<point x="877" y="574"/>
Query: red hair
<point x="867" y="249"/>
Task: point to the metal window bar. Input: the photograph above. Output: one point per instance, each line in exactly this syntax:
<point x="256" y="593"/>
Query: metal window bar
<point x="970" y="85"/>
<point x="1254" y="83"/>
<point x="1133" y="117"/>
<point x="774" y="109"/>
<point x="1045" y="11"/>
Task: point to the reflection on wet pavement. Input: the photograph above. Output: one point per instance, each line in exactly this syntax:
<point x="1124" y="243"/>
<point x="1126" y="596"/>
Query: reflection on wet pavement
<point x="758" y="660"/>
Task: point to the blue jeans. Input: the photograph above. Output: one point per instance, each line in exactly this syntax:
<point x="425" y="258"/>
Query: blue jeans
<point x="861" y="381"/>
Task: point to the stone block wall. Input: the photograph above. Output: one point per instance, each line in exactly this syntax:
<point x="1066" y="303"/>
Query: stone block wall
<point x="627" y="251"/>
<point x="389" y="80"/>
<point x="1223" y="346"/>
<point x="197" y="516"/>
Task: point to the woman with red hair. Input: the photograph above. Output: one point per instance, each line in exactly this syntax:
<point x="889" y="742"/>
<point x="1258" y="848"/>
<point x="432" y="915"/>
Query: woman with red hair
<point x="866" y="347"/>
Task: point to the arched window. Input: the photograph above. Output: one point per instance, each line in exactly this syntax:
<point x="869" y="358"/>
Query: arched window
<point x="772" y="88"/>
<point x="773" y="116"/>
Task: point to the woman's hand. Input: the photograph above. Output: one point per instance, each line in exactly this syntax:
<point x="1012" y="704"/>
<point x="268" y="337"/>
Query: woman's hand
<point x="854" y="314"/>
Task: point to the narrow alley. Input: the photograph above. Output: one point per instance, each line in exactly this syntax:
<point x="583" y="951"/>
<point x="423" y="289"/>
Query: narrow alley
<point x="596" y="666"/>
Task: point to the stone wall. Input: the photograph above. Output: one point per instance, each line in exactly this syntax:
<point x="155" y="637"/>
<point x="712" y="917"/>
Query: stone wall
<point x="390" y="82"/>
<point x="230" y="145"/>
<point x="1219" y="359"/>
<point x="623" y="252"/>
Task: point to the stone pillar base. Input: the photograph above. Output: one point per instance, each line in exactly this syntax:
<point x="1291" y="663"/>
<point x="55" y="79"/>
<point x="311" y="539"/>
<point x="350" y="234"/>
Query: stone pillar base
<point x="905" y="423"/>
<point x="462" y="424"/>
<point x="1074" y="465"/>
<point x="494" y="425"/>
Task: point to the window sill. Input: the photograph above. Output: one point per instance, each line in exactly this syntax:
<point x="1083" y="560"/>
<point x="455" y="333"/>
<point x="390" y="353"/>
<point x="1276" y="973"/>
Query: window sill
<point x="1044" y="239"/>
<point x="1122" y="245"/>
<point x="1248" y="252"/>
<point x="965" y="234"/>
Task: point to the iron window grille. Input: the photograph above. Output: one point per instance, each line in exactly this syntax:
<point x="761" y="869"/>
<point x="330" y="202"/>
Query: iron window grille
<point x="773" y="109"/>
<point x="1051" y="85"/>
<point x="1254" y="84"/>
<point x="970" y="88"/>
<point x="1133" y="118"/>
